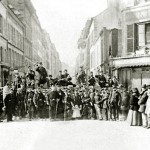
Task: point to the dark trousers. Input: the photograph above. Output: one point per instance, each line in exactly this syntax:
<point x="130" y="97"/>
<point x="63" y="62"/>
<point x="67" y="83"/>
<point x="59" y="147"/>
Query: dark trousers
<point x="9" y="116"/>
<point x="105" y="113"/>
<point x="41" y="112"/>
<point x="53" y="112"/>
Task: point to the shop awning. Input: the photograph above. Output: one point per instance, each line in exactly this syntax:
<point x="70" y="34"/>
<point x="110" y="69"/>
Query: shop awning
<point x="131" y="62"/>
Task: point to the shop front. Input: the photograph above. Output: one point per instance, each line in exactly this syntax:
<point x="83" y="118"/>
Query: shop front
<point x="132" y="72"/>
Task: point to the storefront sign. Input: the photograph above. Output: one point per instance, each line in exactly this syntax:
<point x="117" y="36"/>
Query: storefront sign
<point x="136" y="16"/>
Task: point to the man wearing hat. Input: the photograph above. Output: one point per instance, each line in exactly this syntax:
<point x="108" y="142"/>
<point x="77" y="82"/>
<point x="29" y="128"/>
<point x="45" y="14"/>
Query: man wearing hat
<point x="40" y="102"/>
<point x="81" y="78"/>
<point x="91" y="80"/>
<point x="53" y="97"/>
<point x="9" y="105"/>
<point x="30" y="103"/>
<point x="114" y="101"/>
<point x="60" y="79"/>
<point x="43" y="73"/>
<point x="30" y="76"/>
<point x="142" y="103"/>
<point x="6" y="90"/>
<point x="101" y="79"/>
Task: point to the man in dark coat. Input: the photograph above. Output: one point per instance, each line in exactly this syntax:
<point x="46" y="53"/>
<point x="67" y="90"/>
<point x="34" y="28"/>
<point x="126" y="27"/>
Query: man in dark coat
<point x="43" y="73"/>
<point x="81" y="77"/>
<point x="101" y="79"/>
<point x="53" y="98"/>
<point x="1" y="103"/>
<point x="30" y="76"/>
<point x="114" y="103"/>
<point x="50" y="81"/>
<point x="67" y="78"/>
<point x="142" y="103"/>
<point x="60" y="111"/>
<point x="91" y="80"/>
<point x="30" y="103"/>
<point x="9" y="103"/>
<point x="68" y="106"/>
<point x="40" y="102"/>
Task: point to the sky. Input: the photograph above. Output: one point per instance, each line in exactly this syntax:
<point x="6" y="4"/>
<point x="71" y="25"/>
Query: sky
<point x="64" y="20"/>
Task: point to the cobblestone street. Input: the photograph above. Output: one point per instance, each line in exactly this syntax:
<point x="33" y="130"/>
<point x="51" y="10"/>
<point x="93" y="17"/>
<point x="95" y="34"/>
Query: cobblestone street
<point x="81" y="135"/>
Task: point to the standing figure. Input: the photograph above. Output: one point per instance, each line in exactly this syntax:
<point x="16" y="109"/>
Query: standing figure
<point x="53" y="98"/>
<point x="142" y="103"/>
<point x="1" y="104"/>
<point x="114" y="103"/>
<point x="134" y="117"/>
<point x="21" y="103"/>
<point x="9" y="103"/>
<point x="68" y="106"/>
<point x="105" y="105"/>
<point x="76" y="105"/>
<point x="92" y="106"/>
<point x="101" y="79"/>
<point x="81" y="77"/>
<point x="39" y="99"/>
<point x="124" y="106"/>
<point x="91" y="80"/>
<point x="97" y="105"/>
<point x="60" y="109"/>
<point x="147" y="110"/>
<point x="30" y="76"/>
<point x="30" y="103"/>
<point x="6" y="90"/>
<point x="42" y="74"/>
<point x="60" y="79"/>
<point x="86" y="106"/>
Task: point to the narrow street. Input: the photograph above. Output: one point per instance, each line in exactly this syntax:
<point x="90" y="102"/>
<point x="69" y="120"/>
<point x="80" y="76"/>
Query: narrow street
<point x="72" y="135"/>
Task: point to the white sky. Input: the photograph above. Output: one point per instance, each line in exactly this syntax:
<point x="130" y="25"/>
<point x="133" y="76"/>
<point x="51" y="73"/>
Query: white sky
<point x="64" y="20"/>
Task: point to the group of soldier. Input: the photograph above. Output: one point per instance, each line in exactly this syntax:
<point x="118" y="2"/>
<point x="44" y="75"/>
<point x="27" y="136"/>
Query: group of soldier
<point x="95" y="97"/>
<point x="26" y="97"/>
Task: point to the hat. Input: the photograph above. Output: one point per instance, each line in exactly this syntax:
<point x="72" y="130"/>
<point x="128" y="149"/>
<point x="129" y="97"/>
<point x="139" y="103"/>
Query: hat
<point x="144" y="86"/>
<point x="135" y="90"/>
<point x="148" y="84"/>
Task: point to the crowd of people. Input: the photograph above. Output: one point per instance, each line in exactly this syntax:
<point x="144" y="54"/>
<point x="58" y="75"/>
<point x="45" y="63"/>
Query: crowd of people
<point x="98" y="97"/>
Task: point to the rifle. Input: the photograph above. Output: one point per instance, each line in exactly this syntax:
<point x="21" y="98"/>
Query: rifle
<point x="56" y="109"/>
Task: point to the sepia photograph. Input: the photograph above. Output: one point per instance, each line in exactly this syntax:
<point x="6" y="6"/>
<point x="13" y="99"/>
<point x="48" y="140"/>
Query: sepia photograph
<point x="74" y="74"/>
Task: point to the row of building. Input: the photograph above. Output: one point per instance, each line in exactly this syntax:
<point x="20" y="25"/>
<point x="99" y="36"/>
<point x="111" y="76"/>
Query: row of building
<point x="117" y="41"/>
<point x="23" y="42"/>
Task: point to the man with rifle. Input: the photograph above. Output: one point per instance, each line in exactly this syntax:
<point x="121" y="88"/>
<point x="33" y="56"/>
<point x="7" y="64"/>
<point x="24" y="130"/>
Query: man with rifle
<point x="53" y="97"/>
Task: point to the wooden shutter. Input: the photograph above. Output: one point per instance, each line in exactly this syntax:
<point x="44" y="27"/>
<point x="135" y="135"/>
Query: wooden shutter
<point x="1" y="24"/>
<point x="147" y="31"/>
<point x="132" y="37"/>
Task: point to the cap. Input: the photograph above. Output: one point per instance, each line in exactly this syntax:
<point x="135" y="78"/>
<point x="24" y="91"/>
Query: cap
<point x="144" y="86"/>
<point x="134" y="90"/>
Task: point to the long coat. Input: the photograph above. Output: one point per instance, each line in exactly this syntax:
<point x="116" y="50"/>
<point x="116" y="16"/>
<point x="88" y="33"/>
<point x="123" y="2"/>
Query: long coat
<point x="142" y="101"/>
<point x="9" y="103"/>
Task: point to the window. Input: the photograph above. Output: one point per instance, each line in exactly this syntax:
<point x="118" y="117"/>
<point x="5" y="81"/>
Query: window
<point x="1" y="53"/>
<point x="141" y="34"/>
<point x="1" y="24"/>
<point x="132" y="38"/>
<point x="147" y="33"/>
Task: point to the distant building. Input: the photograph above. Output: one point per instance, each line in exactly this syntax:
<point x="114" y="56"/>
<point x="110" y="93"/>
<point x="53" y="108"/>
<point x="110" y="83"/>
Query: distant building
<point x="11" y="42"/>
<point x="25" y="8"/>
<point x="133" y="66"/>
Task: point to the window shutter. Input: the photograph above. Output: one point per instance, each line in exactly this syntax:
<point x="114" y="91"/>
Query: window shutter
<point x="132" y="38"/>
<point x="147" y="30"/>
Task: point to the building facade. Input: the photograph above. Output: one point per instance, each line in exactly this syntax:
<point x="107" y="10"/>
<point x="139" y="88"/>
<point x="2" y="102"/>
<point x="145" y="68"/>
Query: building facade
<point x="11" y="43"/>
<point x="133" y="67"/>
<point x="23" y="42"/>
